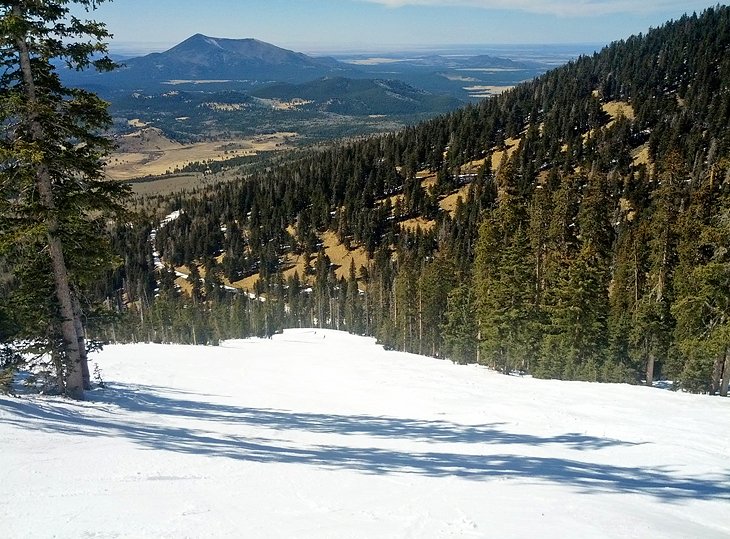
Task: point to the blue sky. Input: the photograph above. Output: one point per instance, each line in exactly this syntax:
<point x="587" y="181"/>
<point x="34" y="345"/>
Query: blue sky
<point x="332" y="25"/>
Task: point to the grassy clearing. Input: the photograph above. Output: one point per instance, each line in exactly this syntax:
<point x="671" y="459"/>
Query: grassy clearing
<point x="416" y="223"/>
<point x="511" y="145"/>
<point x="472" y="167"/>
<point x="168" y="184"/>
<point x="392" y="199"/>
<point x="428" y="178"/>
<point x="450" y="202"/>
<point x="616" y="109"/>
<point x="340" y="256"/>
<point x="641" y="155"/>
<point x="483" y="91"/>
<point x="147" y="152"/>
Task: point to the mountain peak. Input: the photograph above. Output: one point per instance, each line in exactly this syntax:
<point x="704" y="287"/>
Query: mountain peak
<point x="243" y="47"/>
<point x="198" y="38"/>
<point x="207" y="57"/>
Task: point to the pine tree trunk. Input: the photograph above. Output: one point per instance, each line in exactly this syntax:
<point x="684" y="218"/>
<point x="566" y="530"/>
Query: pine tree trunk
<point x="650" y="360"/>
<point x="58" y="364"/>
<point x="420" y="319"/>
<point x="74" y="374"/>
<point x="81" y="333"/>
<point x="74" y="377"/>
<point x="717" y="373"/>
<point x="368" y="331"/>
<point x="479" y="347"/>
<point x="725" y="374"/>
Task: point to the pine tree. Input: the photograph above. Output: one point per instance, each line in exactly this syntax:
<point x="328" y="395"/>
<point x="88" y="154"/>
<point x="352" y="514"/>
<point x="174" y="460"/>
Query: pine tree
<point x="353" y="304"/>
<point x="505" y="281"/>
<point x="52" y="186"/>
<point x="653" y="322"/>
<point x="436" y="281"/>
<point x="702" y="304"/>
<point x="459" y="328"/>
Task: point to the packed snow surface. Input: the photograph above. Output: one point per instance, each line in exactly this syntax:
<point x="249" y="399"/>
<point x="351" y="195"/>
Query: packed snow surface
<point x="321" y="434"/>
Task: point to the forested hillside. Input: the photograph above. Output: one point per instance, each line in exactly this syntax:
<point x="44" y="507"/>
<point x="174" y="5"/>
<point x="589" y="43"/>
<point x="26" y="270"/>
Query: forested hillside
<point x="576" y="227"/>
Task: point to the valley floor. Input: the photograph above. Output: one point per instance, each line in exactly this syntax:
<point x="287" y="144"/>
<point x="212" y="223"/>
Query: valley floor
<point x="321" y="434"/>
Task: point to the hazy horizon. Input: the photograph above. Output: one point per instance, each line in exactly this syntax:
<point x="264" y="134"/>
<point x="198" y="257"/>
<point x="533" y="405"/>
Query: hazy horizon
<point x="456" y="49"/>
<point x="326" y="26"/>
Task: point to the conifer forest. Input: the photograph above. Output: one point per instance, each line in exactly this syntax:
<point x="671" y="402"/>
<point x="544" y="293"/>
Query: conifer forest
<point x="576" y="227"/>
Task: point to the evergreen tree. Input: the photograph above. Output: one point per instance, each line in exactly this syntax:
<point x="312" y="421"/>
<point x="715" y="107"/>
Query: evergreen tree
<point x="52" y="184"/>
<point x="353" y="304"/>
<point x="505" y="281"/>
<point x="436" y="281"/>
<point x="459" y="328"/>
<point x="702" y="304"/>
<point x="653" y="322"/>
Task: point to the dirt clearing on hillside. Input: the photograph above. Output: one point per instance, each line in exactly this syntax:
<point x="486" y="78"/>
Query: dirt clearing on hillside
<point x="148" y="152"/>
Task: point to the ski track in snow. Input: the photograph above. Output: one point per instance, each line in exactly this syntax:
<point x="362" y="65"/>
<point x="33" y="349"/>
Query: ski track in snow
<point x="317" y="433"/>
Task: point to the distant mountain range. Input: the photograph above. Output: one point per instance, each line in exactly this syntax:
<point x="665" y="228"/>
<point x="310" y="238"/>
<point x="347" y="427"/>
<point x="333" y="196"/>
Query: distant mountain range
<point x="204" y="58"/>
<point x="249" y="63"/>
<point x="206" y="86"/>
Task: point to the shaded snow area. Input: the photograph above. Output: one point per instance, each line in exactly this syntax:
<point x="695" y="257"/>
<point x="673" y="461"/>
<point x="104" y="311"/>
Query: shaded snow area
<point x="324" y="435"/>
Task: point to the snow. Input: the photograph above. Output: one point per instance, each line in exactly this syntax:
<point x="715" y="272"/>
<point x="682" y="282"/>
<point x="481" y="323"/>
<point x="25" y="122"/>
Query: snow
<point x="153" y="237"/>
<point x="213" y="42"/>
<point x="321" y="434"/>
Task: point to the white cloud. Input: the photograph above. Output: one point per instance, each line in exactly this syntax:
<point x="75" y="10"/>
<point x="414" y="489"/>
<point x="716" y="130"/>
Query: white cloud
<point x="566" y="8"/>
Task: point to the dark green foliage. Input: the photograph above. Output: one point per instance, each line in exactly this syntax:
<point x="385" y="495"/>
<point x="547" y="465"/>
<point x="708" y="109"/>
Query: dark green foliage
<point x="54" y="200"/>
<point x="504" y="283"/>
<point x="459" y="330"/>
<point x="702" y="289"/>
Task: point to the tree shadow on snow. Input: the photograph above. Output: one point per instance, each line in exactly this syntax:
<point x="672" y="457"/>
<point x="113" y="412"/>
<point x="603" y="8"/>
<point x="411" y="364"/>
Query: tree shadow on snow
<point x="171" y="402"/>
<point x="146" y="415"/>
